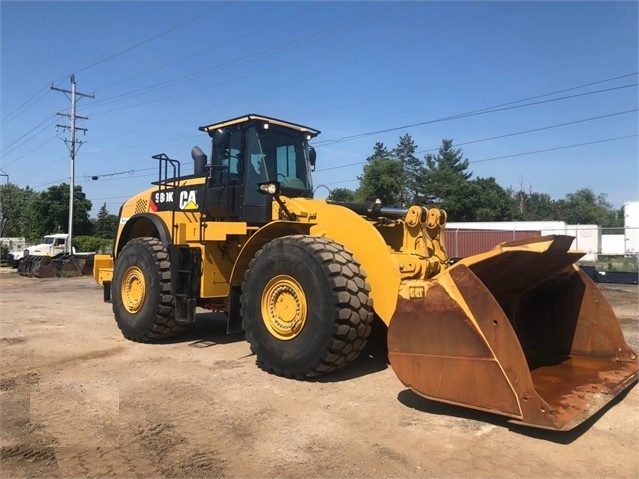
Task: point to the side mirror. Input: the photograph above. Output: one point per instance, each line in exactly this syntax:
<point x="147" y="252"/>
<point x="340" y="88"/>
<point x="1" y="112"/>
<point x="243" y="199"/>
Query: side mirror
<point x="312" y="157"/>
<point x="221" y="142"/>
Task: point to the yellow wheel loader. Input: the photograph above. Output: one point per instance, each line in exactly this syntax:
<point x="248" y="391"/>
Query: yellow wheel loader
<point x="518" y="331"/>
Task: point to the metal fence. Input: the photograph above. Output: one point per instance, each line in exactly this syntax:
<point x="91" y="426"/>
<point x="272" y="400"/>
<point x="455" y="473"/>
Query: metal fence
<point x="465" y="242"/>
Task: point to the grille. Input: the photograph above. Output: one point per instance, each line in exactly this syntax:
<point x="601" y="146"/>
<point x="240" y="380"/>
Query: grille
<point x="141" y="206"/>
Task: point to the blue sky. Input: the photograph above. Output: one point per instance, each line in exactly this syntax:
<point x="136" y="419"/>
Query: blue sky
<point x="161" y="69"/>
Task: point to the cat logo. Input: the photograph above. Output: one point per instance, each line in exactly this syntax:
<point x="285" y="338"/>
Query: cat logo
<point x="416" y="292"/>
<point x="188" y="201"/>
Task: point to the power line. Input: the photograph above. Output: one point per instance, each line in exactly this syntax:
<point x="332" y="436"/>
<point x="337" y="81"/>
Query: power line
<point x="481" y="77"/>
<point x="249" y="59"/>
<point x="377" y="100"/>
<point x="115" y="173"/>
<point x="517" y="154"/>
<point x="8" y="147"/>
<point x="66" y="178"/>
<point x="532" y="130"/>
<point x="538" y="96"/>
<point x="30" y="102"/>
<point x="554" y="149"/>
<point x="59" y="160"/>
<point x="217" y="46"/>
<point x="483" y="111"/>
<point x="130" y="176"/>
<point x="359" y="163"/>
<point x="258" y="54"/>
<point x="272" y="69"/>
<point x="356" y="179"/>
<point x="30" y="151"/>
<point x="199" y="16"/>
<point x="170" y="140"/>
<point x="129" y="172"/>
<point x="26" y="105"/>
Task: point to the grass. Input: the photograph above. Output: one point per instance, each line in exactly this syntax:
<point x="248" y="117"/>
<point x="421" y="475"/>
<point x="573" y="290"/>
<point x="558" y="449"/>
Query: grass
<point x="620" y="264"/>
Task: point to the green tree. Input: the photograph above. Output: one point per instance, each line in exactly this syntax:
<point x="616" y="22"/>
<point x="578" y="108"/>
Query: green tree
<point x="342" y="194"/>
<point x="382" y="177"/>
<point x="444" y="181"/>
<point x="488" y="201"/>
<point x="15" y="202"/>
<point x="106" y="225"/>
<point x="412" y="166"/>
<point x="480" y="199"/>
<point x="379" y="151"/>
<point x="531" y="206"/>
<point x="585" y="207"/>
<point x="49" y="212"/>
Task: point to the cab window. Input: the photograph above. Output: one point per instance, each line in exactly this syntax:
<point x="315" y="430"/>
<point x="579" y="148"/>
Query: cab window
<point x="227" y="156"/>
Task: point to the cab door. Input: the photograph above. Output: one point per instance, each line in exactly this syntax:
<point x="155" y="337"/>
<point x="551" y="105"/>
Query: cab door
<point x="223" y="195"/>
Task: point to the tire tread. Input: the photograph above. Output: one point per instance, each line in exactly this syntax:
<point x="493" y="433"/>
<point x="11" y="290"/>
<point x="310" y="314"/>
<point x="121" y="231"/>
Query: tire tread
<point x="353" y="314"/>
<point x="164" y="326"/>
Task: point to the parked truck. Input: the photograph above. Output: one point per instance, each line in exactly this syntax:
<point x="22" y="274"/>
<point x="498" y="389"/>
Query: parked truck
<point x="54" y="256"/>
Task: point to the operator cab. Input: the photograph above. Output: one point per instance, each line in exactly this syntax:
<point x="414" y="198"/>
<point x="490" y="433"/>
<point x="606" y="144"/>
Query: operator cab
<point x="250" y="150"/>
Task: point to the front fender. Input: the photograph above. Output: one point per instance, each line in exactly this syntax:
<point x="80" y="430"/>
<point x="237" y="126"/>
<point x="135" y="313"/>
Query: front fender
<point x="367" y="245"/>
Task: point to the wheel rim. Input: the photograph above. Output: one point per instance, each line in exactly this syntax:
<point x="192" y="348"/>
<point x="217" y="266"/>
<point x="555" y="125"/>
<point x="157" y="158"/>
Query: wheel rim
<point x="133" y="289"/>
<point x="284" y="307"/>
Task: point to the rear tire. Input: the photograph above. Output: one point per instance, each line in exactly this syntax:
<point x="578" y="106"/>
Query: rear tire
<point x="306" y="308"/>
<point x="141" y="292"/>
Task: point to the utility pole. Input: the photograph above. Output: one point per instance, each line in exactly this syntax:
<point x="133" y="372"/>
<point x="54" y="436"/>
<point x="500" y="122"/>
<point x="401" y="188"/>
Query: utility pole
<point x="73" y="146"/>
<point x="3" y="220"/>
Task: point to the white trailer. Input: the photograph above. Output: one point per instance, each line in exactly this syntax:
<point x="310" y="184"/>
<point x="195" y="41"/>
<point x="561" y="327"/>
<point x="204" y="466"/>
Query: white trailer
<point x="631" y="227"/>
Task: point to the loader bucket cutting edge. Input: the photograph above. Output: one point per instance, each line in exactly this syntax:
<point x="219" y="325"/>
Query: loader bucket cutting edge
<point x="518" y="331"/>
<point x="62" y="265"/>
<point x="37" y="267"/>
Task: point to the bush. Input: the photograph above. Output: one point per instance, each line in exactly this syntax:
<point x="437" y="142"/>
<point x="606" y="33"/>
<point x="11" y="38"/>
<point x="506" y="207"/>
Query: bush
<point x="93" y="244"/>
<point x="4" y="251"/>
<point x="627" y="264"/>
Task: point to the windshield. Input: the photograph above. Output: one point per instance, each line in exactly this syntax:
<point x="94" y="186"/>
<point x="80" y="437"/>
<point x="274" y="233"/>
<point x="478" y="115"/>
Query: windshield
<point x="279" y="155"/>
<point x="46" y="240"/>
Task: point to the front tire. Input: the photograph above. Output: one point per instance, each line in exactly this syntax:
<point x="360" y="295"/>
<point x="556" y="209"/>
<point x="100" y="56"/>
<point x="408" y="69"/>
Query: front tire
<point x="141" y="292"/>
<point x="306" y="308"/>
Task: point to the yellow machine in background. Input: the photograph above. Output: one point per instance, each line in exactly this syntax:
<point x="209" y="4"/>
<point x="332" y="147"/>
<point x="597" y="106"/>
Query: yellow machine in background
<point x="519" y="330"/>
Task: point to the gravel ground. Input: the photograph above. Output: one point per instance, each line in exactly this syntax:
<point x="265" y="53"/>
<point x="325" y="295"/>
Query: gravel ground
<point x="79" y="400"/>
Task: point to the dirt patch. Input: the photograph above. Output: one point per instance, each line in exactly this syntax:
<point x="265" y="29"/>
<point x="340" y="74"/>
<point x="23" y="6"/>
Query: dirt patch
<point x="78" y="400"/>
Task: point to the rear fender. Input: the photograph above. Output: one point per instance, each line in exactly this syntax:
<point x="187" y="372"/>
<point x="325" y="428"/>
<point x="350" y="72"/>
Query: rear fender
<point x="140" y="225"/>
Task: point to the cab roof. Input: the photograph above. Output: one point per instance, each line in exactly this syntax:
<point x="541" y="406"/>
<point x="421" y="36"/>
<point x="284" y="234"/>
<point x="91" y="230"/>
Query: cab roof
<point x="253" y="117"/>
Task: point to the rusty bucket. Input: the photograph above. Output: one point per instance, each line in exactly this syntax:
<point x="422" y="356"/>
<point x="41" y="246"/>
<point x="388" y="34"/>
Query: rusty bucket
<point x="519" y="331"/>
